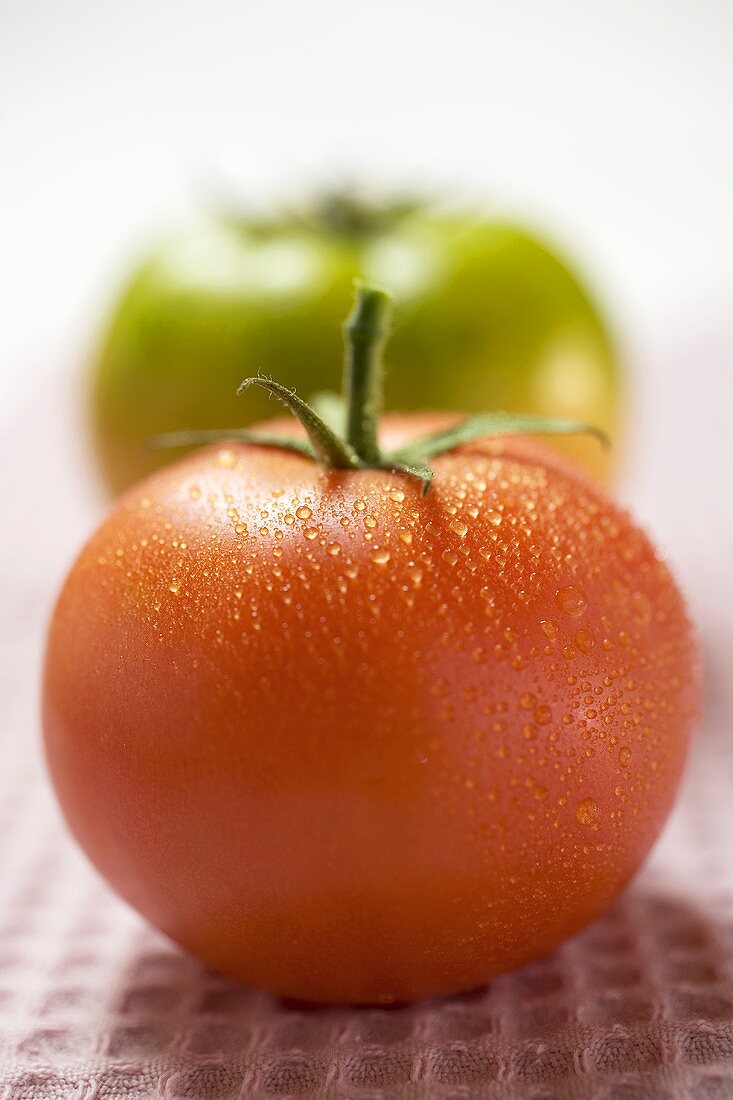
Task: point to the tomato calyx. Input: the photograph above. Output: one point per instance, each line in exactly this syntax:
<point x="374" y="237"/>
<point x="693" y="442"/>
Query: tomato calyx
<point x="356" y="216"/>
<point x="353" y="444"/>
<point x="347" y="214"/>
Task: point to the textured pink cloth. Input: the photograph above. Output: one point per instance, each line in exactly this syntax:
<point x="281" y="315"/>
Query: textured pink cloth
<point x="96" y="1006"/>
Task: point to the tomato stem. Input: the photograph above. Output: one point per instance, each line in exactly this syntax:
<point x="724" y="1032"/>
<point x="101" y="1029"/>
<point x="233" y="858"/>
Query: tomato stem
<point x="365" y="331"/>
<point x="328" y="448"/>
<point x="356" y="216"/>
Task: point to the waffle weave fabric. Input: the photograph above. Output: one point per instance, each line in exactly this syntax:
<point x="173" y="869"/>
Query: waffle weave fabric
<point x="94" y="1005"/>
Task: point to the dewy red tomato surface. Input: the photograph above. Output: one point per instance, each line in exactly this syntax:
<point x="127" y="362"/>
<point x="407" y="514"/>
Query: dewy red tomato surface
<point x="350" y="743"/>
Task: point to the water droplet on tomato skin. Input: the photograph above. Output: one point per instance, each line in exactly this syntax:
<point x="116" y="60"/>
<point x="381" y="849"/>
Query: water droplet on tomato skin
<point x="585" y="641"/>
<point x="303" y="512"/>
<point x="380" y="557"/>
<point x="571" y="601"/>
<point x="586" y="812"/>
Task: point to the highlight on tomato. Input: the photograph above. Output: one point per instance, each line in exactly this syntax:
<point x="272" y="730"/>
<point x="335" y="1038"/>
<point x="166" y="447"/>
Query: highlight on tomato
<point x="369" y="710"/>
<point x="489" y="317"/>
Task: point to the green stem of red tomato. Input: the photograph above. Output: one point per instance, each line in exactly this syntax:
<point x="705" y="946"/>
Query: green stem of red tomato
<point x="365" y="331"/>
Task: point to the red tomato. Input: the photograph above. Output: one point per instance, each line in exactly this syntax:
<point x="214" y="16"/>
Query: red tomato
<point x="353" y="744"/>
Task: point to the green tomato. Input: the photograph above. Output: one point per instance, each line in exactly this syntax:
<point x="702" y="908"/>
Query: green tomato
<point x="487" y="318"/>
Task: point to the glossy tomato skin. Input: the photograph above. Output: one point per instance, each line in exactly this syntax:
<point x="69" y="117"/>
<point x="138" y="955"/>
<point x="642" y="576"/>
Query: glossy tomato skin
<point x="488" y="318"/>
<point x="350" y="744"/>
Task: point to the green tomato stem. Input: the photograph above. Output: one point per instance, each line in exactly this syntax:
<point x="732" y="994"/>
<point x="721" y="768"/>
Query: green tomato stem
<point x="329" y="450"/>
<point x="355" y="217"/>
<point x="365" y="331"/>
<point x="197" y="438"/>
